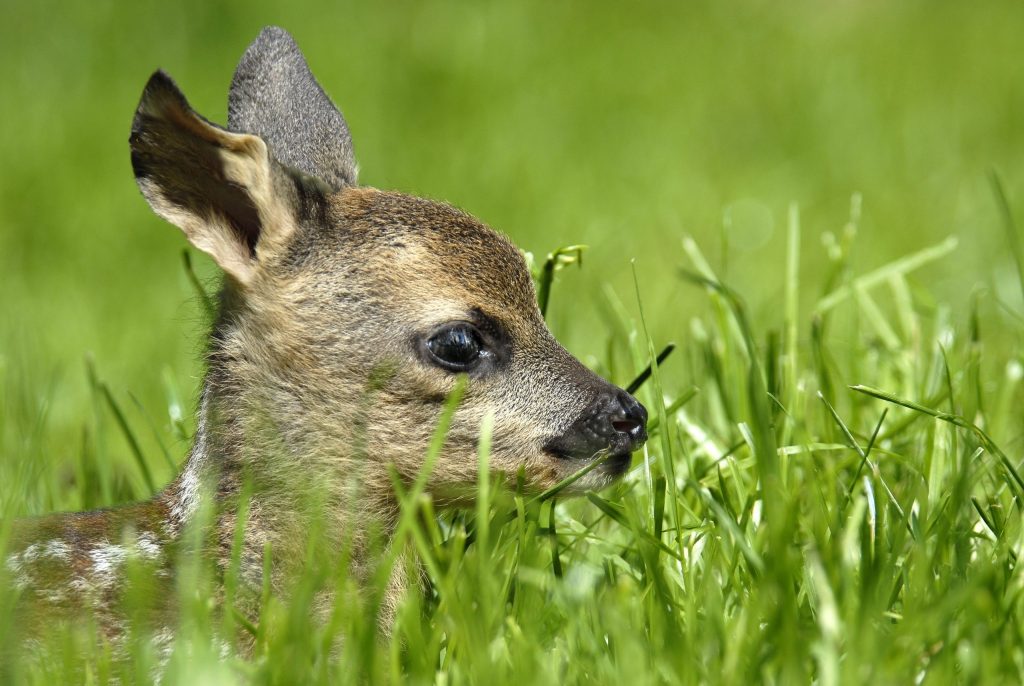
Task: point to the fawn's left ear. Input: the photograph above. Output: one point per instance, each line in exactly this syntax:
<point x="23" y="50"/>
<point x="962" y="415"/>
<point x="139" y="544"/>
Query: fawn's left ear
<point x="222" y="189"/>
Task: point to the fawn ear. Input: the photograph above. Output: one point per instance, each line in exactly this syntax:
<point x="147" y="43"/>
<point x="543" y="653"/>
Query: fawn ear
<point x="221" y="189"/>
<point x="275" y="96"/>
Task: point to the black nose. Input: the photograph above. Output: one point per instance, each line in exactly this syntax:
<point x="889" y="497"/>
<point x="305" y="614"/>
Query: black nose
<point x="632" y="421"/>
<point x="613" y="423"/>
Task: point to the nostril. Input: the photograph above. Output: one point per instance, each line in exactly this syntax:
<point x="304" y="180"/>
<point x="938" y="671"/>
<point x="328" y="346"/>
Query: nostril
<point x="626" y="426"/>
<point x="633" y="419"/>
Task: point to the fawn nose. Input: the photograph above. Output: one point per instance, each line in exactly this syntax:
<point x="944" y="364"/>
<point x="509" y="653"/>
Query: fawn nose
<point x="614" y="423"/>
<point x="633" y="420"/>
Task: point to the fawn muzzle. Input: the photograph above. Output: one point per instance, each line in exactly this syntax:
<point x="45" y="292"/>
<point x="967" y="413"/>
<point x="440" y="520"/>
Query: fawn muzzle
<point x="614" y="423"/>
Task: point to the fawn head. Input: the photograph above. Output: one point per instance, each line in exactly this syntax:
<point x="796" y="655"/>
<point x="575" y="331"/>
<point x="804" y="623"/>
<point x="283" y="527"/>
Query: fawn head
<point x="348" y="313"/>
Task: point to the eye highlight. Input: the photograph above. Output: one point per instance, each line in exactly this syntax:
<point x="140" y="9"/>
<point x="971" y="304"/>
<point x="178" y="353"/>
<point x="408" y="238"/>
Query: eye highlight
<point x="456" y="347"/>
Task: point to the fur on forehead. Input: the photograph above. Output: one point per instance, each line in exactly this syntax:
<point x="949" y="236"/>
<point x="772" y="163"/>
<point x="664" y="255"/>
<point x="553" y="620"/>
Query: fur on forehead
<point x="421" y="244"/>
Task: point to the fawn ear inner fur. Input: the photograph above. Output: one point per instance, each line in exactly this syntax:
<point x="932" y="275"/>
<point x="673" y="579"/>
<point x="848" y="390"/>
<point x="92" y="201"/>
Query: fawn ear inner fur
<point x="222" y="189"/>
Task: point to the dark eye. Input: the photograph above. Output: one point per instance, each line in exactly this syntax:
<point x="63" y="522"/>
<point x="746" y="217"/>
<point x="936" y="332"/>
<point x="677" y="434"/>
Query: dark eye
<point x="456" y="347"/>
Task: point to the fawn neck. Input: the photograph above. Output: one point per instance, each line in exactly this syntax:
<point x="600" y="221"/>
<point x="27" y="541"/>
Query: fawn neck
<point x="257" y="441"/>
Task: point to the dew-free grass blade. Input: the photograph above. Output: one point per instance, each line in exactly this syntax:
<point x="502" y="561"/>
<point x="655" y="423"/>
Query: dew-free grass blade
<point x="129" y="436"/>
<point x="672" y="408"/>
<point x="642" y="377"/>
<point x="209" y="309"/>
<point x="956" y="420"/>
<point x="900" y="266"/>
<point x="557" y="260"/>
<point x="1009" y="224"/>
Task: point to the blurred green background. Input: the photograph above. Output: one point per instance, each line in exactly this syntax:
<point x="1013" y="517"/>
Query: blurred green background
<point x="624" y="126"/>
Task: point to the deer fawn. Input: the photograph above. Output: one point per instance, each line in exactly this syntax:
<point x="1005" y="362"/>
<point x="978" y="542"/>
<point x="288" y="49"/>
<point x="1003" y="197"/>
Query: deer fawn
<point x="326" y="283"/>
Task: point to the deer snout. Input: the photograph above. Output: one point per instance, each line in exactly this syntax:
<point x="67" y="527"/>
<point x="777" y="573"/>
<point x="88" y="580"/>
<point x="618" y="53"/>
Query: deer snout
<point x="613" y="423"/>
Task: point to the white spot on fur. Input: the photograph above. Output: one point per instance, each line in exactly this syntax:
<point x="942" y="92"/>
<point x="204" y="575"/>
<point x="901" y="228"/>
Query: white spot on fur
<point x="106" y="561"/>
<point x="17" y="563"/>
<point x="56" y="549"/>
<point x="147" y="546"/>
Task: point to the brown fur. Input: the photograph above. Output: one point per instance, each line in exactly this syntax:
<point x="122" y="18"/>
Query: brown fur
<point x="318" y="381"/>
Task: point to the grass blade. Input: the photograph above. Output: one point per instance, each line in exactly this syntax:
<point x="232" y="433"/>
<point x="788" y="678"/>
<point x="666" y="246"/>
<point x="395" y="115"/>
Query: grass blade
<point x="880" y="275"/>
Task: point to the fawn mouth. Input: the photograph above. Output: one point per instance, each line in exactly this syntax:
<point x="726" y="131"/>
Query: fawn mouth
<point x="617" y="464"/>
<point x="613" y="464"/>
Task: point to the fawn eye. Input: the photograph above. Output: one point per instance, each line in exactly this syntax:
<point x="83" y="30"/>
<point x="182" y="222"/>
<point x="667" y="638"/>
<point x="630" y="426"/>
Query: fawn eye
<point x="456" y="347"/>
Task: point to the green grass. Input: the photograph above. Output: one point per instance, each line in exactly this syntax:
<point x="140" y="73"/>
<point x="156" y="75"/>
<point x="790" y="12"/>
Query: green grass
<point x="799" y="515"/>
<point x="832" y="487"/>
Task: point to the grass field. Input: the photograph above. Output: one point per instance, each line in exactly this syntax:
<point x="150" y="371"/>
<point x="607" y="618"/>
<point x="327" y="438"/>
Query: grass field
<point x="802" y="201"/>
